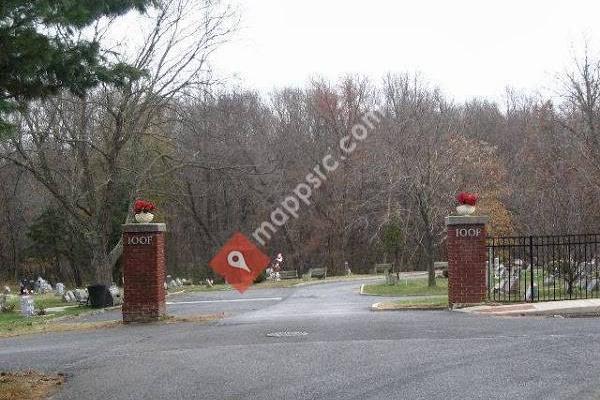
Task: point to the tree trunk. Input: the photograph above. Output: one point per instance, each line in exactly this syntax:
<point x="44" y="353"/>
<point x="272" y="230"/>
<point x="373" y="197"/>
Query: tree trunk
<point x="101" y="267"/>
<point x="429" y="250"/>
<point x="75" y="271"/>
<point x="431" y="273"/>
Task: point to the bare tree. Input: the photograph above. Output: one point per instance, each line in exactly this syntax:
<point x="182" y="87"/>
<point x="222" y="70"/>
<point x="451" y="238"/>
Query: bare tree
<point x="81" y="149"/>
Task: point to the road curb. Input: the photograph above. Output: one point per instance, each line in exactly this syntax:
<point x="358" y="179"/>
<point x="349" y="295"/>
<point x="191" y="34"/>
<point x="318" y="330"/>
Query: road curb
<point x="322" y="281"/>
<point x="581" y="307"/>
<point x="175" y="293"/>
<point x="566" y="313"/>
<point x="412" y="275"/>
<point x="379" y="306"/>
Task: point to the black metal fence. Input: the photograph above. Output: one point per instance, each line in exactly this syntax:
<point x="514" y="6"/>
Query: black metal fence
<point x="543" y="268"/>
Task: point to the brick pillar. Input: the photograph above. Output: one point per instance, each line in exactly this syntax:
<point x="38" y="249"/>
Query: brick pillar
<point x="143" y="272"/>
<point x="467" y="255"/>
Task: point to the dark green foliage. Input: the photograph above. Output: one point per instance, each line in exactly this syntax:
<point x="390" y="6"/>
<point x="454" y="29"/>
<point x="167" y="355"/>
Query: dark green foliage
<point x="198" y="274"/>
<point x="47" y="235"/>
<point x="40" y="54"/>
<point x="392" y="237"/>
<point x="261" y="277"/>
<point x="393" y="240"/>
<point x="52" y="240"/>
<point x="119" y="214"/>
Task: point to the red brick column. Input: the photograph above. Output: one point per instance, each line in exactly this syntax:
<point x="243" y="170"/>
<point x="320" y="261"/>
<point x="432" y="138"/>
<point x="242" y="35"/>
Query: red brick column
<point x="467" y="254"/>
<point x="143" y="272"/>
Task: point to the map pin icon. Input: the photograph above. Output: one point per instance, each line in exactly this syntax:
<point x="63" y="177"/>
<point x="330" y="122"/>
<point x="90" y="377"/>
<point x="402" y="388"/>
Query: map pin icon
<point x="236" y="260"/>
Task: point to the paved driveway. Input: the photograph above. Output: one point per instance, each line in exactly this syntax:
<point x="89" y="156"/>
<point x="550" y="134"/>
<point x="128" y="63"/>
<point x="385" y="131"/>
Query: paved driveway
<point x="348" y="352"/>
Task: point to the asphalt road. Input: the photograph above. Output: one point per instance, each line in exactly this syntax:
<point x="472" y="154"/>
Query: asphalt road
<point x="346" y="352"/>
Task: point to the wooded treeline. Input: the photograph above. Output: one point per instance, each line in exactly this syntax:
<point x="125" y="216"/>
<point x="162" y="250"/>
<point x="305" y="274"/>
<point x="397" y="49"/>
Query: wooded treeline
<point x="218" y="160"/>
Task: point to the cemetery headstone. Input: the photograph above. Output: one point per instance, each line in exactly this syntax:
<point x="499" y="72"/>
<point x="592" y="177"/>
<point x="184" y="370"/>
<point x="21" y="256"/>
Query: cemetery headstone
<point x="60" y="289"/>
<point x="391" y="279"/>
<point x="515" y="284"/>
<point x="81" y="295"/>
<point x="519" y="263"/>
<point x="500" y="271"/>
<point x="588" y="268"/>
<point x="531" y="295"/>
<point x="42" y="286"/>
<point x="510" y="285"/>
<point x="594" y="284"/>
<point x="549" y="280"/>
<point x="69" y="297"/>
<point x="4" y="299"/>
<point x="115" y="293"/>
<point x="347" y="269"/>
<point x="27" y="306"/>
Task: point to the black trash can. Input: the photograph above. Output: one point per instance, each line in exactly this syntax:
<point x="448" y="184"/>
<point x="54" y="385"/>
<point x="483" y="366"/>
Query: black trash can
<point x="99" y="296"/>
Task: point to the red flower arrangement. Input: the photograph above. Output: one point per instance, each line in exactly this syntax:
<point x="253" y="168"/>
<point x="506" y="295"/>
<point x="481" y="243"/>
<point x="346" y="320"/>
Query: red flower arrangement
<point x="467" y="198"/>
<point x="143" y="206"/>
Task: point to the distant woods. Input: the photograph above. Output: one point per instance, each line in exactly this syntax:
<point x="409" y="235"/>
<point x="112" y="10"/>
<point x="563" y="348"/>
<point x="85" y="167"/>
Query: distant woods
<point x="216" y="161"/>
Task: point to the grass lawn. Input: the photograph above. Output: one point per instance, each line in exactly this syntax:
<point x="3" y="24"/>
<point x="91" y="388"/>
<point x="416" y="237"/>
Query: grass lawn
<point x="268" y="284"/>
<point x="201" y="288"/>
<point x="293" y="282"/>
<point x="556" y="290"/>
<point x="42" y="301"/>
<point x="49" y="300"/>
<point x="13" y="323"/>
<point x="284" y="283"/>
<point x="433" y="303"/>
<point x="408" y="287"/>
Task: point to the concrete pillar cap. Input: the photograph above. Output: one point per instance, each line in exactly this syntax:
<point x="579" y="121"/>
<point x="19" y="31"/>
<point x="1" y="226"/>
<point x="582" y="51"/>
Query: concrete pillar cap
<point x="152" y="227"/>
<point x="467" y="219"/>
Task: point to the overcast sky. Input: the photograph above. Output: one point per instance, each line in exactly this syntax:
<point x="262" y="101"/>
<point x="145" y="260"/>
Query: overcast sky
<point x="467" y="47"/>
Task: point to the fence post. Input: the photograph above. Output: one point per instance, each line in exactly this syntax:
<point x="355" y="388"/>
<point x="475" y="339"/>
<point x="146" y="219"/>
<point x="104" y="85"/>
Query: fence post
<point x="531" y="283"/>
<point x="467" y="255"/>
